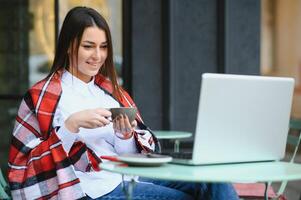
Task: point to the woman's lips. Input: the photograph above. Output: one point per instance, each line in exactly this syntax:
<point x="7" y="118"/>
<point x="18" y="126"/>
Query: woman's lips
<point x="94" y="64"/>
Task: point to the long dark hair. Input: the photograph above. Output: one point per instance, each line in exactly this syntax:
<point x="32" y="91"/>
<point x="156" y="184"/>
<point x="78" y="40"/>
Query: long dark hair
<point x="76" y="21"/>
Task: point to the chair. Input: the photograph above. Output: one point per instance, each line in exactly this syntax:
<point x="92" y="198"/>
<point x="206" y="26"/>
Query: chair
<point x="294" y="141"/>
<point x="4" y="188"/>
<point x="257" y="190"/>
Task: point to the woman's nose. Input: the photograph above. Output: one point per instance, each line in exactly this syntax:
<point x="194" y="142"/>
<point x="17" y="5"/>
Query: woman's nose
<point x="96" y="54"/>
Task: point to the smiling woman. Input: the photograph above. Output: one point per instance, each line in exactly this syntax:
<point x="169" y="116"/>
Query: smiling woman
<point x="71" y="129"/>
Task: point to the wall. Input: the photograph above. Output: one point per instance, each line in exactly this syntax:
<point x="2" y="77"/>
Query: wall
<point x="169" y="44"/>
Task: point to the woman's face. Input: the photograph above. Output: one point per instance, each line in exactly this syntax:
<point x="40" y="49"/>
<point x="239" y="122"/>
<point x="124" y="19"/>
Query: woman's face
<point x="92" y="53"/>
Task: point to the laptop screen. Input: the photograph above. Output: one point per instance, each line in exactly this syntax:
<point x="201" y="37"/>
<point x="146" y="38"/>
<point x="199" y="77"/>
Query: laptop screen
<point x="242" y="118"/>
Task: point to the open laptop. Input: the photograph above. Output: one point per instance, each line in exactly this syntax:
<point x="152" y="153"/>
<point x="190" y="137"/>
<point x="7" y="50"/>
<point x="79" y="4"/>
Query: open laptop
<point x="241" y="118"/>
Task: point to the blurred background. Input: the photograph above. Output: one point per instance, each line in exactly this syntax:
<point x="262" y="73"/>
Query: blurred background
<point x="161" y="48"/>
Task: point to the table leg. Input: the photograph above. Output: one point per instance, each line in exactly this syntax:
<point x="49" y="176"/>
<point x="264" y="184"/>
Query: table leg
<point x="128" y="191"/>
<point x="266" y="194"/>
<point x="266" y="191"/>
<point x="177" y="146"/>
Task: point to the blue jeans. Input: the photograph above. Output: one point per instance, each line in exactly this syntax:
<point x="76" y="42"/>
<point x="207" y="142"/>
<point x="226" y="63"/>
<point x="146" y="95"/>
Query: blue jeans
<point x="174" y="190"/>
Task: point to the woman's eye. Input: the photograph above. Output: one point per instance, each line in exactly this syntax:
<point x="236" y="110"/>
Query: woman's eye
<point x="87" y="46"/>
<point x="104" y="46"/>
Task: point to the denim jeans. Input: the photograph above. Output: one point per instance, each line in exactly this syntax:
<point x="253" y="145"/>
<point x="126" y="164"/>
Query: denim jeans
<point x="174" y="190"/>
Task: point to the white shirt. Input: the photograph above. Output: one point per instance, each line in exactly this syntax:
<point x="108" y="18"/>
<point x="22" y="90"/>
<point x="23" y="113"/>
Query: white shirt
<point x="77" y="96"/>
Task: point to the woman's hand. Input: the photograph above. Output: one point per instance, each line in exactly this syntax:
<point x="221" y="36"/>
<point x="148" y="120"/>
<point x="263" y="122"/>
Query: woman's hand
<point x="123" y="128"/>
<point x="91" y="118"/>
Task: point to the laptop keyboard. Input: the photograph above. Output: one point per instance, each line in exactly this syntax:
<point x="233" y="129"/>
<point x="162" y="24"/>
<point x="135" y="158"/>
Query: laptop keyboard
<point x="179" y="155"/>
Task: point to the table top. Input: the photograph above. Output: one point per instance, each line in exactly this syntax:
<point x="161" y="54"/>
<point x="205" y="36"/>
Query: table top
<point x="242" y="172"/>
<point x="172" y="134"/>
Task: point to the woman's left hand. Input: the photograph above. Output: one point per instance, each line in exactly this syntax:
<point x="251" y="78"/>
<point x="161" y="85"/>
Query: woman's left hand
<point x="123" y="128"/>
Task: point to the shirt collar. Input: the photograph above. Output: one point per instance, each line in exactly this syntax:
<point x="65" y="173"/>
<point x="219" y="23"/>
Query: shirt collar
<point x="71" y="80"/>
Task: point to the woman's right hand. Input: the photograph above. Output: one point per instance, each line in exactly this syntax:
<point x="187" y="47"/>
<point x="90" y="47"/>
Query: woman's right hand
<point x="91" y="118"/>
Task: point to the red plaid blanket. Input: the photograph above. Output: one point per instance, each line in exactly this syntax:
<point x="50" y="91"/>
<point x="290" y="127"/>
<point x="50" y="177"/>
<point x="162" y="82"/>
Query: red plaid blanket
<point x="39" y="168"/>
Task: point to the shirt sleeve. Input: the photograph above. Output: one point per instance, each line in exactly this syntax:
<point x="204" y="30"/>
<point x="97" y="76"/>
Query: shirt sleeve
<point x="67" y="137"/>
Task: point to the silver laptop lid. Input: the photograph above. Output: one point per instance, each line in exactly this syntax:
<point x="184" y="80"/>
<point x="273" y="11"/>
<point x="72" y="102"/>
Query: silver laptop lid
<point x="242" y="118"/>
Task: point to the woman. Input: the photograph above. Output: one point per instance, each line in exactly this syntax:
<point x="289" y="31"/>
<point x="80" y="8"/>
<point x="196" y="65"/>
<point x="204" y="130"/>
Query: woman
<point x="63" y="129"/>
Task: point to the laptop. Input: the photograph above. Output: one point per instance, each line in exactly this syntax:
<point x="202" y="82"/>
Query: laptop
<point x="241" y="118"/>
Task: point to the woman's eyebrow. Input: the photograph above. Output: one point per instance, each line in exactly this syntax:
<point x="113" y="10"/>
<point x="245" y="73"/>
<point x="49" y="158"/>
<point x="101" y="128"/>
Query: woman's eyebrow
<point x="90" y="42"/>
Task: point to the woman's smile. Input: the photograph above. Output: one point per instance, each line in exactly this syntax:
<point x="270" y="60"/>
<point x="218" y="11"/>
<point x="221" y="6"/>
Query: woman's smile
<point x="94" y="64"/>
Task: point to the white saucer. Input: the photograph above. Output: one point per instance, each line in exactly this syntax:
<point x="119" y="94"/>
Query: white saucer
<point x="144" y="159"/>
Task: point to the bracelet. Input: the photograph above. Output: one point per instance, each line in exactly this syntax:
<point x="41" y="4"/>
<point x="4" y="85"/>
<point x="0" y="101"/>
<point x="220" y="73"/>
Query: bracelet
<point x="124" y="135"/>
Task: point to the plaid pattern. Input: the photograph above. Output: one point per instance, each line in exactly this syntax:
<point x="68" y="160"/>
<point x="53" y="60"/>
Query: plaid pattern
<point x="39" y="168"/>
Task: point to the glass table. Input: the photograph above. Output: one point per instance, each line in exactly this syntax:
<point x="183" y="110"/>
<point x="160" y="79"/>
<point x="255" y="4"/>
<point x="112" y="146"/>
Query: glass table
<point x="174" y="135"/>
<point x="232" y="173"/>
